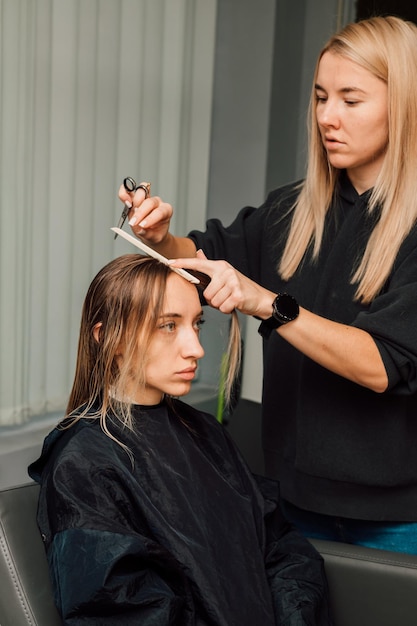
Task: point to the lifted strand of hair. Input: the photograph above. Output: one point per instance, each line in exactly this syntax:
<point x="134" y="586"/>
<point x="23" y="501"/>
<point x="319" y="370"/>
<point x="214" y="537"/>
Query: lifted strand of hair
<point x="233" y="357"/>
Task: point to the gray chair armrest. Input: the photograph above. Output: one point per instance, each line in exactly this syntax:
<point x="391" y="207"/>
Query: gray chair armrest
<point x="370" y="587"/>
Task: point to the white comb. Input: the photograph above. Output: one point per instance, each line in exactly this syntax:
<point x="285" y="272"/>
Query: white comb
<point x="150" y="252"/>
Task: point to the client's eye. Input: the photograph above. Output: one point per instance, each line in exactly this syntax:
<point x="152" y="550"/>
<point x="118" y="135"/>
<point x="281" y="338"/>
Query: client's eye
<point x="199" y="323"/>
<point x="168" y="327"/>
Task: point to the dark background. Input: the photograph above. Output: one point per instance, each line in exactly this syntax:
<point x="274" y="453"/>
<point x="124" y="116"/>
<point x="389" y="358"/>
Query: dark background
<point x="406" y="9"/>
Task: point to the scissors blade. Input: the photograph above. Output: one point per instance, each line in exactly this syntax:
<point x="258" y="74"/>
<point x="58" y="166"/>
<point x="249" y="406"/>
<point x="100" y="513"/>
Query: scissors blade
<point x="150" y="252"/>
<point x="122" y="219"/>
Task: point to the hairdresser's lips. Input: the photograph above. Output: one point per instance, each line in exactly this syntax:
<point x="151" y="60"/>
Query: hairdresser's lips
<point x="187" y="374"/>
<point x="330" y="143"/>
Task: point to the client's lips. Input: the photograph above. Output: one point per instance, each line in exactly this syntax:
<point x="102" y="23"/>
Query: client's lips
<point x="188" y="373"/>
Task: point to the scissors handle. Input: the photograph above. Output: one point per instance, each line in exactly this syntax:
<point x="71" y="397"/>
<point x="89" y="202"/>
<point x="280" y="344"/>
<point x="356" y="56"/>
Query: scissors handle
<point x="130" y="185"/>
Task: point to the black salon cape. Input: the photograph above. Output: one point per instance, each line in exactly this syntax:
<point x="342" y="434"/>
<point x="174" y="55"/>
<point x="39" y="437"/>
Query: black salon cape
<point x="182" y="537"/>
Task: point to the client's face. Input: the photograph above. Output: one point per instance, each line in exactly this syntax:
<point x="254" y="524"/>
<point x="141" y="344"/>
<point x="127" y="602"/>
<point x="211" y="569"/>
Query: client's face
<point x="175" y="346"/>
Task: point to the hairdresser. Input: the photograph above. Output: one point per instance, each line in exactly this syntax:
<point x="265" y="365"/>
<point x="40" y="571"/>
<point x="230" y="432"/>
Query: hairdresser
<point x="329" y="265"/>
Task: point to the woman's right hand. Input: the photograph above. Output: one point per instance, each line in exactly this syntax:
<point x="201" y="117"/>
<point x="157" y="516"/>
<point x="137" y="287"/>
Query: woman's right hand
<point x="149" y="218"/>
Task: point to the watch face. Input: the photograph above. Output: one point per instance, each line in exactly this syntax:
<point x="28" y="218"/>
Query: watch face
<point x="286" y="307"/>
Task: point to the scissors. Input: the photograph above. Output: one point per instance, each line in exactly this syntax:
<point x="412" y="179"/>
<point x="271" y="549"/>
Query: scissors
<point x="130" y="185"/>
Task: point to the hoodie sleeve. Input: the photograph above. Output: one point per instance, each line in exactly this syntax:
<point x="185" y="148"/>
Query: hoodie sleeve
<point x="126" y="580"/>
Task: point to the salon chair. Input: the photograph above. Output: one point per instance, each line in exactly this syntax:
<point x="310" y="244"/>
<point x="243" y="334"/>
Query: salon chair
<point x="367" y="587"/>
<point x="25" y="590"/>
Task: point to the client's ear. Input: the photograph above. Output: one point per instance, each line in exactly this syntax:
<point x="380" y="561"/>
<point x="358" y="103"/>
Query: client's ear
<point x="96" y="331"/>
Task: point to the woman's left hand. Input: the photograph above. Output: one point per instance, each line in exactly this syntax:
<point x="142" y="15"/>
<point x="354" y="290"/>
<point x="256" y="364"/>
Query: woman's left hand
<point x="229" y="289"/>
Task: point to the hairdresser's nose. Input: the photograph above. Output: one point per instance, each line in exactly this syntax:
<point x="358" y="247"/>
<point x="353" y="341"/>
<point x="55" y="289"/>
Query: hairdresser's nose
<point x="191" y="346"/>
<point x="328" y="114"/>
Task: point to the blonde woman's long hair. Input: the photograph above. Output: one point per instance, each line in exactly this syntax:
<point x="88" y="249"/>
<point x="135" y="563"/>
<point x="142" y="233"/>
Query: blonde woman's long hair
<point x="386" y="47"/>
<point x="123" y="306"/>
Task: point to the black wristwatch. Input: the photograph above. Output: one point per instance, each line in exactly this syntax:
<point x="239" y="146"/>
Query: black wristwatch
<point x="284" y="309"/>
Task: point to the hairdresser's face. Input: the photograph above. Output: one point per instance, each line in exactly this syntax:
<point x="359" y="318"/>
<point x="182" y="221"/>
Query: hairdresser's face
<point x="175" y="347"/>
<point x="352" y="114"/>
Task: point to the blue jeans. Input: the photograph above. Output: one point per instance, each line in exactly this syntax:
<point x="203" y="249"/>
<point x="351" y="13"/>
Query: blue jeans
<point x="394" y="536"/>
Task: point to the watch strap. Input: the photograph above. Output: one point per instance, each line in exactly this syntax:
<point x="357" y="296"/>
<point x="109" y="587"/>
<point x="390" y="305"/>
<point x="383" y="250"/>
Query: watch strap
<point x="267" y="326"/>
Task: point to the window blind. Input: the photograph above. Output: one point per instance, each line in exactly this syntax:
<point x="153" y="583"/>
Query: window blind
<point x="90" y="92"/>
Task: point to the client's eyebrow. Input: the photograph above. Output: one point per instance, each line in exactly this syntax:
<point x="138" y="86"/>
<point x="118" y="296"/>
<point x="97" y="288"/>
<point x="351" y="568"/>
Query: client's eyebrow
<point x="178" y="315"/>
<point x="170" y="315"/>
